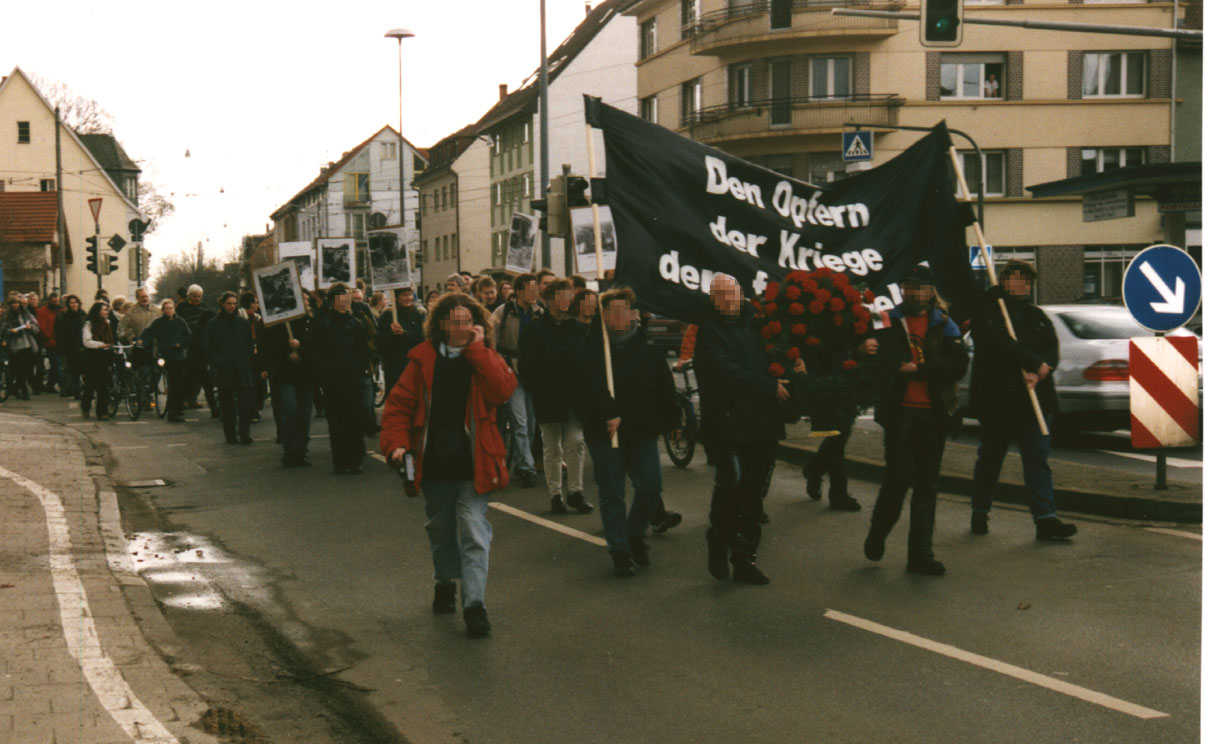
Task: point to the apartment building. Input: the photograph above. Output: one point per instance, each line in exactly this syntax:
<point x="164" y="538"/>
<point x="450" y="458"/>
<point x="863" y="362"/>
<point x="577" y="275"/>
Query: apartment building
<point x="777" y="82"/>
<point x="454" y="239"/>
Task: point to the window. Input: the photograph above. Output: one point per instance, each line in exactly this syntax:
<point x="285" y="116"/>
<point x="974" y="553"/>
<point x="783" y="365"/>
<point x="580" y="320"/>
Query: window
<point x="423" y="204"/>
<point x="355" y="224"/>
<point x="690" y="17"/>
<point x="22" y="133"/>
<point x="47" y="184"/>
<point x="692" y="100"/>
<point x="452" y="193"/>
<point x="972" y="171"/>
<point x="526" y="132"/>
<point x="780" y="14"/>
<point x="1114" y="74"/>
<point x="443" y="198"/>
<point x="826" y="167"/>
<point x="388" y="151"/>
<point x="455" y="246"/>
<point x="972" y="75"/>
<point x="497" y="195"/>
<point x="740" y="85"/>
<point x="355" y="187"/>
<point x="527" y="185"/>
<point x="648" y="38"/>
<point x="129" y="184"/>
<point x="1101" y="159"/>
<point x="648" y="109"/>
<point x="830" y="77"/>
<point x="1104" y="269"/>
<point x="780" y="92"/>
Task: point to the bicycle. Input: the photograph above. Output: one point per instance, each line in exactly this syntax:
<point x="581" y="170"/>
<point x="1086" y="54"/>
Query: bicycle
<point x="379" y="393"/>
<point x="125" y="385"/>
<point x="155" y="386"/>
<point x="680" y="446"/>
<point x="5" y="371"/>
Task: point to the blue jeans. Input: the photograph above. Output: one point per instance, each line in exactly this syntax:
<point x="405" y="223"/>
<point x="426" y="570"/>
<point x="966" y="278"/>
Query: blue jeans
<point x="523" y="417"/>
<point x="295" y="403"/>
<point x="995" y="436"/>
<point x="640" y="460"/>
<point x="460" y="536"/>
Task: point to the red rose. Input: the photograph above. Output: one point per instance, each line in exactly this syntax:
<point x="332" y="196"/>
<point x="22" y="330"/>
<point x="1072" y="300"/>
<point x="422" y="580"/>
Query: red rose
<point x="809" y="285"/>
<point x="793" y="292"/>
<point x="868" y="296"/>
<point x="795" y="308"/>
<point x="775" y="327"/>
<point x="841" y="280"/>
<point x="793" y="353"/>
<point x="848" y="364"/>
<point x="756" y="305"/>
<point x="823" y="271"/>
<point x="816" y="307"/>
<point x="813" y="341"/>
<point x="861" y="313"/>
<point x="860" y="328"/>
<point x="851" y="295"/>
<point x="766" y="332"/>
<point x="769" y="348"/>
<point x="797" y="276"/>
<point x="777" y="369"/>
<point x="823" y="295"/>
<point x="837" y="304"/>
<point x="771" y="308"/>
<point x="838" y="320"/>
<point x="799" y="329"/>
<point x="771" y="290"/>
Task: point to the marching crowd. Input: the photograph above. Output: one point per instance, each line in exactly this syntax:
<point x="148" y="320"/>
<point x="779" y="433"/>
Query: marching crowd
<point x="492" y="381"/>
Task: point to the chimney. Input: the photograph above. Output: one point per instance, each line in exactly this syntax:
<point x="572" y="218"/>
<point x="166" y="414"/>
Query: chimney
<point x="589" y="7"/>
<point x="501" y="91"/>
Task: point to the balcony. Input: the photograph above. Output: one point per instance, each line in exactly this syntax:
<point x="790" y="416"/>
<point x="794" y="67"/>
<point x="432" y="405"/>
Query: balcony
<point x="778" y="21"/>
<point x="791" y="116"/>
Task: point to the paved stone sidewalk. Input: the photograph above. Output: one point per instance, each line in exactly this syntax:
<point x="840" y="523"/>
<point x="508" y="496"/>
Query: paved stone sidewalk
<point x="76" y="667"/>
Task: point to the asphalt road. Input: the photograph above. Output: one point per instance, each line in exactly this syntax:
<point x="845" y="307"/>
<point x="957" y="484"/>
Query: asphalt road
<point x="835" y="649"/>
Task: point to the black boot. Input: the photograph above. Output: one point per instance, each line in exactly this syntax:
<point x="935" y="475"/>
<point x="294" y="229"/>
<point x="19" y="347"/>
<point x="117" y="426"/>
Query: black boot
<point x="640" y="551"/>
<point x="926" y="566"/>
<point x="1052" y="529"/>
<point x="843" y="502"/>
<point x="717" y="555"/>
<point x="577" y="500"/>
<point x="814" y="485"/>
<point x="622" y="565"/>
<point x="476" y="622"/>
<point x="875" y="544"/>
<point x="558" y="505"/>
<point x="978" y="523"/>
<point x="745" y="570"/>
<point x="445" y="598"/>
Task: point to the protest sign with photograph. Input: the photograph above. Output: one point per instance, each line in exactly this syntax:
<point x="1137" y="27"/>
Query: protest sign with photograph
<point x="278" y="289"/>
<point x="336" y="261"/>
<point x="388" y="261"/>
<point x="521" y="246"/>
<point x="301" y="253"/>
<point x="581" y="222"/>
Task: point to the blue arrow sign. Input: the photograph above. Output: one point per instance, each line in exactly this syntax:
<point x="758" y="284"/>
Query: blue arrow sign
<point x="1162" y="288"/>
<point x="857" y="146"/>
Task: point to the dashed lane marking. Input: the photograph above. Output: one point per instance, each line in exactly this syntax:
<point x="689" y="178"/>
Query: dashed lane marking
<point x="79" y="630"/>
<point x="1174" y="533"/>
<point x="1050" y="683"/>
<point x="554" y="526"/>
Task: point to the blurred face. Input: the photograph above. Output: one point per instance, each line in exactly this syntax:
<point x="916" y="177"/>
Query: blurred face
<point x="588" y="308"/>
<point x="169" y="308"/>
<point x="489" y="295"/>
<point x="458" y="326"/>
<point x="357" y="294"/>
<point x="104" y="312"/>
<point x="545" y="281"/>
<point x="726" y="295"/>
<point x="230" y="304"/>
<point x="917" y="297"/>
<point x="1017" y="285"/>
<point x="341" y="303"/>
<point x="53" y="301"/>
<point x="432" y="296"/>
<point x="194" y="298"/>
<point x="143" y="297"/>
<point x="33" y="299"/>
<point x="452" y="286"/>
<point x="73" y="304"/>
<point x="405" y="299"/>
<point x="618" y="315"/>
<point x="505" y="290"/>
<point x="530" y="293"/>
<point x="561" y="300"/>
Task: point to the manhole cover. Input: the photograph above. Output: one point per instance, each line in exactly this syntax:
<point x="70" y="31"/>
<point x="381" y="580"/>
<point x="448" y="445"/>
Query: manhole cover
<point x="230" y="726"/>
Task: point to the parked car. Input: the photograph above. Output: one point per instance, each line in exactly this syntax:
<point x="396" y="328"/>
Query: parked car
<point x="1093" y="377"/>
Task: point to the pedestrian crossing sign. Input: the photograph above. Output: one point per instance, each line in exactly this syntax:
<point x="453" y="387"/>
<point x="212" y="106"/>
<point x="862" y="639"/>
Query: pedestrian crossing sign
<point x="857" y="146"/>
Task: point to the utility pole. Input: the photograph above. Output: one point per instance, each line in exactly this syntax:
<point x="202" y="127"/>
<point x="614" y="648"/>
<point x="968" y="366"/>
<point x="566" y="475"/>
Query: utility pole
<point x="58" y="189"/>
<point x="546" y="244"/>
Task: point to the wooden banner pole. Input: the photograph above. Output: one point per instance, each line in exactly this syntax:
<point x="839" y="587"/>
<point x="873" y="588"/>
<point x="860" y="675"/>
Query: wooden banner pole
<point x="991" y="276"/>
<point x="598" y="260"/>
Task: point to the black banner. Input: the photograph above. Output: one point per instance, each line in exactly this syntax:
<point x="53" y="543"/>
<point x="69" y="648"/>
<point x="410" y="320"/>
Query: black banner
<point x="684" y="211"/>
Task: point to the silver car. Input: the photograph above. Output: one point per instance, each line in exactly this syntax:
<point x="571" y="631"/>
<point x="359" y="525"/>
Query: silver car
<point x="1093" y="377"/>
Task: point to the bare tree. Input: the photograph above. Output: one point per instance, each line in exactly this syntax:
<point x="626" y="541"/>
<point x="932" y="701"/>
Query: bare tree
<point x="153" y="204"/>
<point x="84" y="115"/>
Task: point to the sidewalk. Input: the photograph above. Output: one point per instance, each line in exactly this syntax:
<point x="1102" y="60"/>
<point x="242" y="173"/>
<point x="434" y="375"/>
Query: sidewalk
<point x="77" y="667"/>
<point x="1077" y="487"/>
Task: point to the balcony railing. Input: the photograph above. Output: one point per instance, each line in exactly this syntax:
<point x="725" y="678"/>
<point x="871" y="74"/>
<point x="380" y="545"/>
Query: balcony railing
<point x="743" y="24"/>
<point x="779" y="116"/>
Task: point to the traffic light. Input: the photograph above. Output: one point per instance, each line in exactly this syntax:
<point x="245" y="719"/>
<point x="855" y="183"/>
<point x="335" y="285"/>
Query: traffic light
<point x="110" y="264"/>
<point x="93" y="253"/>
<point x="575" y="192"/>
<point x="941" y="23"/>
<point x="553" y="207"/>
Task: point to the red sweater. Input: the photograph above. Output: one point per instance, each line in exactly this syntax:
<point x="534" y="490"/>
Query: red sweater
<point x="404" y="422"/>
<point x="46" y="318"/>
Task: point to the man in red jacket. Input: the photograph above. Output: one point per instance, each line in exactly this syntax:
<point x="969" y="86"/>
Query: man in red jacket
<point x="449" y="429"/>
<point x="46" y="316"/>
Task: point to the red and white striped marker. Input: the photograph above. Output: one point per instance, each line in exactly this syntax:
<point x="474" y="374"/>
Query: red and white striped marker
<point x="1163" y="392"/>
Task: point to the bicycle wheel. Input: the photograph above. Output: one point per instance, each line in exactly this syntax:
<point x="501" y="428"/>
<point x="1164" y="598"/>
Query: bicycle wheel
<point x="378" y="385"/>
<point x="132" y="392"/>
<point x="681" y="448"/>
<point x="115" y="391"/>
<point x="157" y="392"/>
<point x="4" y="380"/>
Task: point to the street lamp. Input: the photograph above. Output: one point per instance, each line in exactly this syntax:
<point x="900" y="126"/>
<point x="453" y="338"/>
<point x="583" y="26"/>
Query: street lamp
<point x="399" y="34"/>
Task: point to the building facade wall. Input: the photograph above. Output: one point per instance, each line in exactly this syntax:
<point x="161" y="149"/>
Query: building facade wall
<point x="472" y="170"/>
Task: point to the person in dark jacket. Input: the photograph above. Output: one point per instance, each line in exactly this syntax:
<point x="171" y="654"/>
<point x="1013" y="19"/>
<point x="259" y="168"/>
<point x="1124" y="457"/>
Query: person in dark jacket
<point x="230" y="354"/>
<point x="399" y="329"/>
<point x="69" y="337"/>
<point x="643" y="407"/>
<point x="20" y="337"/>
<point x="915" y="411"/>
<point x="344" y="360"/>
<point x="1003" y="370"/>
<point x="742" y="421"/>
<point x="288" y="353"/>
<point x="548" y="352"/>
<point x="168" y="338"/>
<point x="197" y="314"/>
<point x="98" y="337"/>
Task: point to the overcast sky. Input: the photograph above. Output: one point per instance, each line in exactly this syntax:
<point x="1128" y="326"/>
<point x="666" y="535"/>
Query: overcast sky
<point x="263" y="93"/>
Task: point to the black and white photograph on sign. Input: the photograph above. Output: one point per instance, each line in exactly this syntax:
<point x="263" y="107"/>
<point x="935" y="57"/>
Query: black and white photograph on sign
<point x="521" y="248"/>
<point x="581" y="221"/>
<point x="336" y="261"/>
<point x="279" y="291"/>
<point x="301" y="253"/>
<point x="388" y="262"/>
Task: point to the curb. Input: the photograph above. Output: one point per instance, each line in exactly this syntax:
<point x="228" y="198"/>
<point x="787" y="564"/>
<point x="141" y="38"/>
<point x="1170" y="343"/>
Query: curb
<point x="1068" y="499"/>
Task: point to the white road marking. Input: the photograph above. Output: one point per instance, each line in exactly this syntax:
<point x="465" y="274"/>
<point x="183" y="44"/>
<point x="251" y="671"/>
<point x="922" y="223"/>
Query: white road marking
<point x="181" y="444"/>
<point x="554" y="526"/>
<point x="1001" y="667"/>
<point x="1172" y="462"/>
<point x="79" y="630"/>
<point x="1174" y="533"/>
<point x="128" y="423"/>
<point x="140" y="446"/>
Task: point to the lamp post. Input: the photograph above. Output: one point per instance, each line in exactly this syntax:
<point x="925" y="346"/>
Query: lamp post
<point x="399" y="34"/>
